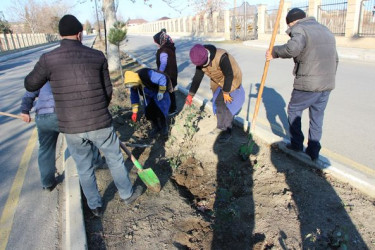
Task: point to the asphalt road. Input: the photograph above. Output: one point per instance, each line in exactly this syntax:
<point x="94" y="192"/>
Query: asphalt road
<point x="30" y="217"/>
<point x="348" y="125"/>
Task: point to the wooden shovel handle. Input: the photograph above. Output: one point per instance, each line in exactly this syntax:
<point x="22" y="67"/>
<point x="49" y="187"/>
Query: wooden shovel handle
<point x="134" y="160"/>
<point x="14" y="116"/>
<point x="266" y="65"/>
<point x="11" y="115"/>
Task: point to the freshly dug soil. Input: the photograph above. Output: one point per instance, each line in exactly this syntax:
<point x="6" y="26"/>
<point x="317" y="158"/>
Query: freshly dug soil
<point x="213" y="199"/>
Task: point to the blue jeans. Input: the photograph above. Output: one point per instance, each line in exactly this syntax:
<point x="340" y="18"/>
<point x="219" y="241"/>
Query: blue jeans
<point x="80" y="147"/>
<point x="48" y="133"/>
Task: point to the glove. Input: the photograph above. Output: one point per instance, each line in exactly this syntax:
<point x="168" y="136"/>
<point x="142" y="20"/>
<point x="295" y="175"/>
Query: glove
<point x="227" y="97"/>
<point x="134" y="117"/>
<point x="189" y="100"/>
<point x="160" y="96"/>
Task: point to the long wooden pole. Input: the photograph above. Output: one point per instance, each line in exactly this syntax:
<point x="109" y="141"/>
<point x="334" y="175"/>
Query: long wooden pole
<point x="11" y="115"/>
<point x="266" y="65"/>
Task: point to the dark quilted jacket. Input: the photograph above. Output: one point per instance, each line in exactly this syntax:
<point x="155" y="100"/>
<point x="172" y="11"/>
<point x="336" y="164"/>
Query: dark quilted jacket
<point x="171" y="69"/>
<point x="80" y="84"/>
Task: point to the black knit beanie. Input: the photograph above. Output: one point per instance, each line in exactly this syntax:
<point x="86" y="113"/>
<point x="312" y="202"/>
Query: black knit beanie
<point x="295" y="14"/>
<point x="69" y="25"/>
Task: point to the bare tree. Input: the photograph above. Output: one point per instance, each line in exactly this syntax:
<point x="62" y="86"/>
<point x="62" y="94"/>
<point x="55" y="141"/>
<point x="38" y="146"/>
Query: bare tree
<point x="109" y="8"/>
<point x="207" y="6"/>
<point x="39" y="17"/>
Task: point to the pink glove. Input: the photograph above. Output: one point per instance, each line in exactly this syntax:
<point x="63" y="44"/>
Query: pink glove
<point x="134" y="117"/>
<point x="189" y="100"/>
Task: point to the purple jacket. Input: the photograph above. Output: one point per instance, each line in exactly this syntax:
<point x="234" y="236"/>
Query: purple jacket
<point x="45" y="103"/>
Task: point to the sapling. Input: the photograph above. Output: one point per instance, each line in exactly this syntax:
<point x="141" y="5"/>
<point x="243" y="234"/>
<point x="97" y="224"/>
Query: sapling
<point x="116" y="35"/>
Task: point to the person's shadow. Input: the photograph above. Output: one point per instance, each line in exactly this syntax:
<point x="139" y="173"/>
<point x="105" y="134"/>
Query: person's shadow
<point x="233" y="212"/>
<point x="275" y="108"/>
<point x="324" y="223"/>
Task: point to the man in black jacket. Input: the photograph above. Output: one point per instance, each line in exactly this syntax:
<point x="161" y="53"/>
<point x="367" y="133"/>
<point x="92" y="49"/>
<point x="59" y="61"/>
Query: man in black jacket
<point x="82" y="90"/>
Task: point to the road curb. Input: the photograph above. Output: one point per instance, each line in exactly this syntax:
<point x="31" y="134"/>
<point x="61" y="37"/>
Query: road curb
<point x="75" y="231"/>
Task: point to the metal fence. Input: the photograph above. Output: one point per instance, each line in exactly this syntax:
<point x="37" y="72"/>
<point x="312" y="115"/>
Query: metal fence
<point x="245" y="23"/>
<point x="333" y="15"/>
<point x="367" y="18"/>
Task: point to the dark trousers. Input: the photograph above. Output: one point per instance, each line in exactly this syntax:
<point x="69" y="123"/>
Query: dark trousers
<point x="154" y="114"/>
<point x="223" y="114"/>
<point x="316" y="102"/>
<point x="173" y="106"/>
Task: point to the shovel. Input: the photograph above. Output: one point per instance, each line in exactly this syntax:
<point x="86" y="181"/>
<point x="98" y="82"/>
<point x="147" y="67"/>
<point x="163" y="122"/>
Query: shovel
<point x="148" y="176"/>
<point x="247" y="148"/>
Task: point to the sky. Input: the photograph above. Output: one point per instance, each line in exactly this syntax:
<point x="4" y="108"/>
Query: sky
<point x="128" y="9"/>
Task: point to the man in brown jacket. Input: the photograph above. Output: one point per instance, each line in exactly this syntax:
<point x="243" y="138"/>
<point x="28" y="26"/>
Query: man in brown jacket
<point x="226" y="85"/>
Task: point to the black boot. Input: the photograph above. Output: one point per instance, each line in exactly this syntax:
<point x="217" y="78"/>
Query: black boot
<point x="165" y="129"/>
<point x="173" y="107"/>
<point x="155" y="128"/>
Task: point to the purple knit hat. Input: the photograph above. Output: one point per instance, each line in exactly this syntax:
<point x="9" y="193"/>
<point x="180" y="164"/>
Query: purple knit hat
<point x="198" y="55"/>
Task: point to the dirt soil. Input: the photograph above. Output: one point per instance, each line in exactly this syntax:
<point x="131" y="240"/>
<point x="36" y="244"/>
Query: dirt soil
<point x="213" y="199"/>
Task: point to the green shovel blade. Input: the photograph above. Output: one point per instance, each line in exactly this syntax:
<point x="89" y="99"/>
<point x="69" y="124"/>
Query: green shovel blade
<point x="149" y="178"/>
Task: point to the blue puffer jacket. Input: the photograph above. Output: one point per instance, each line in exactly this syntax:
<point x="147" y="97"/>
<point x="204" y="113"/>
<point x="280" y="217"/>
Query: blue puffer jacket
<point x="45" y="103"/>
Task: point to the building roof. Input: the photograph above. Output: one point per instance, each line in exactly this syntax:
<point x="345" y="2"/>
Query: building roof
<point x="136" y="21"/>
<point x="163" y="18"/>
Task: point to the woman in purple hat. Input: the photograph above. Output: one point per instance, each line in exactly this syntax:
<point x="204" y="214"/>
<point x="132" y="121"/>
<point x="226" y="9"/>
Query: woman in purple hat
<point x="226" y="85"/>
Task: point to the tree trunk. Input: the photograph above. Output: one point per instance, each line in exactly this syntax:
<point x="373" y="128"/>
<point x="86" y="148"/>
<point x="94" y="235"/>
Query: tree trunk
<point x="113" y="55"/>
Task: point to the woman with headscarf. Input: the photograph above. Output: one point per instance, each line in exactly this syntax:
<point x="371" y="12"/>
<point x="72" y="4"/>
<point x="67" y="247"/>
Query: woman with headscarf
<point x="166" y="62"/>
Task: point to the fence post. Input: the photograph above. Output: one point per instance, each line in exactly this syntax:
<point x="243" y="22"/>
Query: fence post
<point x="227" y="24"/>
<point x="13" y="42"/>
<point x="261" y="18"/>
<point x="313" y="8"/>
<point x="215" y="17"/>
<point x="183" y="25"/>
<point x="190" y="27"/>
<point x="205" y="23"/>
<point x="6" y="43"/>
<point x="352" y="18"/>
<point x="283" y="25"/>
